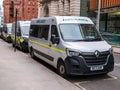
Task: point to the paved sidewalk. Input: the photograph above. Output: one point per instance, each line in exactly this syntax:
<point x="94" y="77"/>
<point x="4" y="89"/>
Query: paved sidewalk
<point x="19" y="72"/>
<point x="116" y="49"/>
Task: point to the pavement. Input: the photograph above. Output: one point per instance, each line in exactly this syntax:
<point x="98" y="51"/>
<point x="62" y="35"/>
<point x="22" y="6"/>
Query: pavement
<point x="18" y="71"/>
<point x="116" y="49"/>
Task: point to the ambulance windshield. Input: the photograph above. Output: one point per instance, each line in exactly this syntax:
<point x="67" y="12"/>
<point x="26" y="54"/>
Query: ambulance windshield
<point x="25" y="30"/>
<point x="79" y="32"/>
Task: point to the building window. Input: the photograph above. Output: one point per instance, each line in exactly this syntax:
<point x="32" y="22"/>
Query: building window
<point x="28" y="2"/>
<point x="69" y="6"/>
<point x="63" y="4"/>
<point x="18" y="12"/>
<point x="33" y="11"/>
<point x="28" y="11"/>
<point x="58" y="8"/>
<point x="33" y="3"/>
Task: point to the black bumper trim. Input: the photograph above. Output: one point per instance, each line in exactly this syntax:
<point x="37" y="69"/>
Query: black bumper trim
<point x="77" y="66"/>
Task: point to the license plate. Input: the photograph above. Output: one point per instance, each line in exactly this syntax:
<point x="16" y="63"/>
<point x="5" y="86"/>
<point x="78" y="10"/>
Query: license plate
<point x="95" y="68"/>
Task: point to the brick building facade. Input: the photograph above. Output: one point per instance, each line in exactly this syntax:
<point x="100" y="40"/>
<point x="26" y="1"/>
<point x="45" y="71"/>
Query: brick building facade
<point x="27" y="9"/>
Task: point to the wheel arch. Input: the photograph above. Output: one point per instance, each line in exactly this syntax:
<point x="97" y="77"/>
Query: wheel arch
<point x="59" y="60"/>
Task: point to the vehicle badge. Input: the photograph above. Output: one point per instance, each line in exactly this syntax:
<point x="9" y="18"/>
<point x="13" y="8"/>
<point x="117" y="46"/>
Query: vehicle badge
<point x="97" y="53"/>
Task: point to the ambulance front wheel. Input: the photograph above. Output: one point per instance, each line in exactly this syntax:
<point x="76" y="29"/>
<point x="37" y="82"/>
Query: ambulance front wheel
<point x="62" y="69"/>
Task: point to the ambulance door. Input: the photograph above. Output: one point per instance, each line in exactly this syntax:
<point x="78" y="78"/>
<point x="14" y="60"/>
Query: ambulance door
<point x="43" y="43"/>
<point x="54" y="47"/>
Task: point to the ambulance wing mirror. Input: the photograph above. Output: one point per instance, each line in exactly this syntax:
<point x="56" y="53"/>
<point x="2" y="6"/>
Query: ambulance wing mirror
<point x="54" y="39"/>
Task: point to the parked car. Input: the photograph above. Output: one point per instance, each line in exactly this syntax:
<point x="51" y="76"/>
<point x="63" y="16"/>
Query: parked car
<point x="7" y="32"/>
<point x="1" y="30"/>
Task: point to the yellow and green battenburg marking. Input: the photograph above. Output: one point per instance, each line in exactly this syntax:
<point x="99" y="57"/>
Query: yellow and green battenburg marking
<point x="46" y="46"/>
<point x="18" y="39"/>
<point x="6" y="35"/>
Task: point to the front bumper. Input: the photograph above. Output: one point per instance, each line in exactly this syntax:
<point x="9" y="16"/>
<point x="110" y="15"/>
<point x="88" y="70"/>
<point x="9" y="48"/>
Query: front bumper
<point x="25" y="45"/>
<point x="78" y="66"/>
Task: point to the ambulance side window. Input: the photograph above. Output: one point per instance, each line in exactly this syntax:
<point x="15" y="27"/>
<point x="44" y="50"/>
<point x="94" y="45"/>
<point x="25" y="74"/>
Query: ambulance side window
<point x="44" y="30"/>
<point x="34" y="30"/>
<point x="54" y="35"/>
<point x="54" y="31"/>
<point x="39" y="32"/>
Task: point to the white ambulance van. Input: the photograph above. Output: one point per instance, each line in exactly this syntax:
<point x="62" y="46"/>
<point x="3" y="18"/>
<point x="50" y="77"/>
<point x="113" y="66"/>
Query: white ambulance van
<point x="22" y="34"/>
<point x="71" y="44"/>
<point x="7" y="32"/>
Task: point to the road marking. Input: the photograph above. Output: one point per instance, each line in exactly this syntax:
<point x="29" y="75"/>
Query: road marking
<point x="111" y="77"/>
<point x="78" y="85"/>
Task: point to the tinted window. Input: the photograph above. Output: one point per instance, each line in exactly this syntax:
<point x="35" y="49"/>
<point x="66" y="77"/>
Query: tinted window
<point x="44" y="31"/>
<point x="40" y="31"/>
<point x="54" y="31"/>
<point x="34" y="30"/>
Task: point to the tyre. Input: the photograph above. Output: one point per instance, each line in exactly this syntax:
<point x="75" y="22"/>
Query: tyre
<point x="21" y="47"/>
<point x="32" y="53"/>
<point x="62" y="69"/>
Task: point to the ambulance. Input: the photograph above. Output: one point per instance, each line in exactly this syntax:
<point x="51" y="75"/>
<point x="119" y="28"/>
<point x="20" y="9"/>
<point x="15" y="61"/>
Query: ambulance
<point x="7" y="32"/>
<point x="22" y="34"/>
<point x="71" y="44"/>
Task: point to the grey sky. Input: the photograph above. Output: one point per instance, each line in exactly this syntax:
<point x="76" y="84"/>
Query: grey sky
<point x="1" y="2"/>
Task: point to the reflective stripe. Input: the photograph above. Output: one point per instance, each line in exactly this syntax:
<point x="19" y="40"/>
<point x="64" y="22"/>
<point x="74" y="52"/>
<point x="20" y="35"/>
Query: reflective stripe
<point x="46" y="46"/>
<point x="21" y="40"/>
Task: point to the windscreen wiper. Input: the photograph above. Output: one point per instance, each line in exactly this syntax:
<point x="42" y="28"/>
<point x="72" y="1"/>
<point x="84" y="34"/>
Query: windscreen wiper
<point x="93" y="39"/>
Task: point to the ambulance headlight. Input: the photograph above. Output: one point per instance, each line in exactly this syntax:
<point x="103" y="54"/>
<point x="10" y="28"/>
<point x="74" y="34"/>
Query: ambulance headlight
<point x="111" y="50"/>
<point x="72" y="52"/>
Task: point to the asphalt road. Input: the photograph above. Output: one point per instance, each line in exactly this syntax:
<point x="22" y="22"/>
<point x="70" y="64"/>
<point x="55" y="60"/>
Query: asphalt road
<point x="100" y="82"/>
<point x="19" y="72"/>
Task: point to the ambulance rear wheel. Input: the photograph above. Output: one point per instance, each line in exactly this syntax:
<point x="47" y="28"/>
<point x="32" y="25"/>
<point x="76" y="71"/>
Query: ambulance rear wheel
<point x="32" y="53"/>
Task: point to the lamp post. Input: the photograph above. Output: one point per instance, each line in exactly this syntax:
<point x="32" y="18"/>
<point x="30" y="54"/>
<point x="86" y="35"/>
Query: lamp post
<point x="16" y="12"/>
<point x="98" y="15"/>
